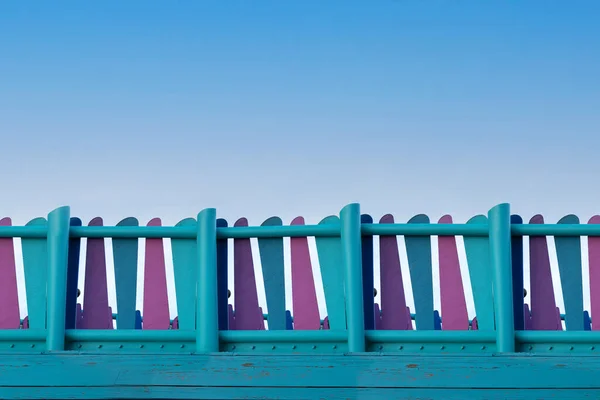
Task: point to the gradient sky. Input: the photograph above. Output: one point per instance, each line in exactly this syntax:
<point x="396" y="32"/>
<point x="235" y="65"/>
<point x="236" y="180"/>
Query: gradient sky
<point x="260" y="108"/>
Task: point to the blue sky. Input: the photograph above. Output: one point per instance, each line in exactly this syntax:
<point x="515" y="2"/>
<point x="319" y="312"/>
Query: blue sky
<point x="261" y="108"/>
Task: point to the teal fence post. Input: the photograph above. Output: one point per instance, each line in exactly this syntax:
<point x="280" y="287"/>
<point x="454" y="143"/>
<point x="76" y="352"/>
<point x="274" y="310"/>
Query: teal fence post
<point x="500" y="257"/>
<point x="58" y="254"/>
<point x="207" y="313"/>
<point x="352" y="258"/>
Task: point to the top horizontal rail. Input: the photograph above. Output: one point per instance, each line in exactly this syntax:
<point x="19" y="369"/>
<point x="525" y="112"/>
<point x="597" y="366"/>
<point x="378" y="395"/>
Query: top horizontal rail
<point x="328" y="230"/>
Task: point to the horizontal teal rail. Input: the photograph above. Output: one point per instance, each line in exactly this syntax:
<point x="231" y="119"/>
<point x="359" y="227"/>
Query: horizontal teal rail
<point x="330" y="230"/>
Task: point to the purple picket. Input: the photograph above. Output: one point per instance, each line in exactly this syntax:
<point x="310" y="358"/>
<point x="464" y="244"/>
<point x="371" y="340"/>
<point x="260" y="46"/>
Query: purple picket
<point x="246" y="297"/>
<point x="474" y="325"/>
<point x="393" y="302"/>
<point x="527" y="314"/>
<point x="175" y="324"/>
<point x="452" y="294"/>
<point x="25" y="323"/>
<point x="261" y="319"/>
<point x="79" y="317"/>
<point x="543" y="304"/>
<point x="409" y="325"/>
<point x="110" y="324"/>
<point x="377" y="317"/>
<point x="156" y="301"/>
<point x="304" y="298"/>
<point x="9" y="297"/>
<point x="231" y="316"/>
<point x="594" y="260"/>
<point x="326" y="323"/>
<point x="95" y="297"/>
<point x="558" y="320"/>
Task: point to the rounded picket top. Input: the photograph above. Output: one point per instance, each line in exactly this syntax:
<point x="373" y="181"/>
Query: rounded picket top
<point x="76" y="221"/>
<point x="241" y="222"/>
<point x="516" y="219"/>
<point x="594" y="220"/>
<point x="298" y="221"/>
<point x="154" y="222"/>
<point x="387" y="219"/>
<point x="6" y="221"/>
<point x="332" y="219"/>
<point x="366" y="219"/>
<point x="186" y="222"/>
<point x="129" y="221"/>
<point x="37" y="221"/>
<point x="446" y="219"/>
<point x="272" y="221"/>
<point x="537" y="219"/>
<point x="419" y="219"/>
<point x="569" y="219"/>
<point x="97" y="221"/>
<point x="478" y="219"/>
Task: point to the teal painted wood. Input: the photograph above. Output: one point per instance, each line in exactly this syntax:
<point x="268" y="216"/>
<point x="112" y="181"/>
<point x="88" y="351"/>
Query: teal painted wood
<point x="9" y="298"/>
<point x="125" y="259"/>
<point x="207" y="332"/>
<point x="58" y="259"/>
<point x="35" y="267"/>
<point x="271" y="259"/>
<point x="500" y="257"/>
<point x="352" y="259"/>
<point x="317" y="371"/>
<point x="418" y="250"/>
<point x="478" y="260"/>
<point x="329" y="250"/>
<point x="568" y="251"/>
<point x="348" y="393"/>
<point x="185" y="257"/>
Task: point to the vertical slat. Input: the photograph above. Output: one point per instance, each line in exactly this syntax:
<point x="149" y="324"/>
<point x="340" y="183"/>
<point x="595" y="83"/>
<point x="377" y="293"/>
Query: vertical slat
<point x="125" y="258"/>
<point x="568" y="251"/>
<point x="138" y="319"/>
<point x="289" y="321"/>
<point x="95" y="297"/>
<point x="368" y="276"/>
<point x="409" y="325"/>
<point x="222" y="278"/>
<point x="500" y="256"/>
<point x="454" y="307"/>
<point x="231" y="317"/>
<point x="73" y="279"/>
<point x="587" y="321"/>
<point x="352" y="259"/>
<point x="393" y="301"/>
<point x="329" y="250"/>
<point x="418" y="251"/>
<point x="35" y="268"/>
<point x="377" y="312"/>
<point x="207" y="329"/>
<point x="58" y="259"/>
<point x="517" y="271"/>
<point x="156" y="302"/>
<point x="528" y="321"/>
<point x="271" y="259"/>
<point x="246" y="297"/>
<point x="543" y="304"/>
<point x="437" y="320"/>
<point x="594" y="262"/>
<point x="9" y="298"/>
<point x="185" y="270"/>
<point x="304" y="297"/>
<point x="477" y="250"/>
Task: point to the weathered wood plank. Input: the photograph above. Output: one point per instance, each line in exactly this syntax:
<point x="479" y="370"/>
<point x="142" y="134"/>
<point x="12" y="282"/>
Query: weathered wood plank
<point x="326" y="371"/>
<point x="293" y="393"/>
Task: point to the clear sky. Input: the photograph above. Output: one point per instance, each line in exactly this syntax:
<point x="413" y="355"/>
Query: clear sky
<point x="260" y="108"/>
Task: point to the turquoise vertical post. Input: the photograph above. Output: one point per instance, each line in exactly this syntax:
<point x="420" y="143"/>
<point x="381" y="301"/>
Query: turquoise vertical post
<point x="352" y="258"/>
<point x="500" y="257"/>
<point x="58" y="255"/>
<point x="207" y="313"/>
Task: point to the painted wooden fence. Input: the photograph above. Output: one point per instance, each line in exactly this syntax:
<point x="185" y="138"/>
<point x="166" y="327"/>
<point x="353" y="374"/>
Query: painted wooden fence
<point x="265" y="353"/>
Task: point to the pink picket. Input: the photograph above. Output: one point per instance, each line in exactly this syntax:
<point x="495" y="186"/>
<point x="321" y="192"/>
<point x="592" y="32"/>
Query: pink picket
<point x="156" y="302"/>
<point x="9" y="298"/>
